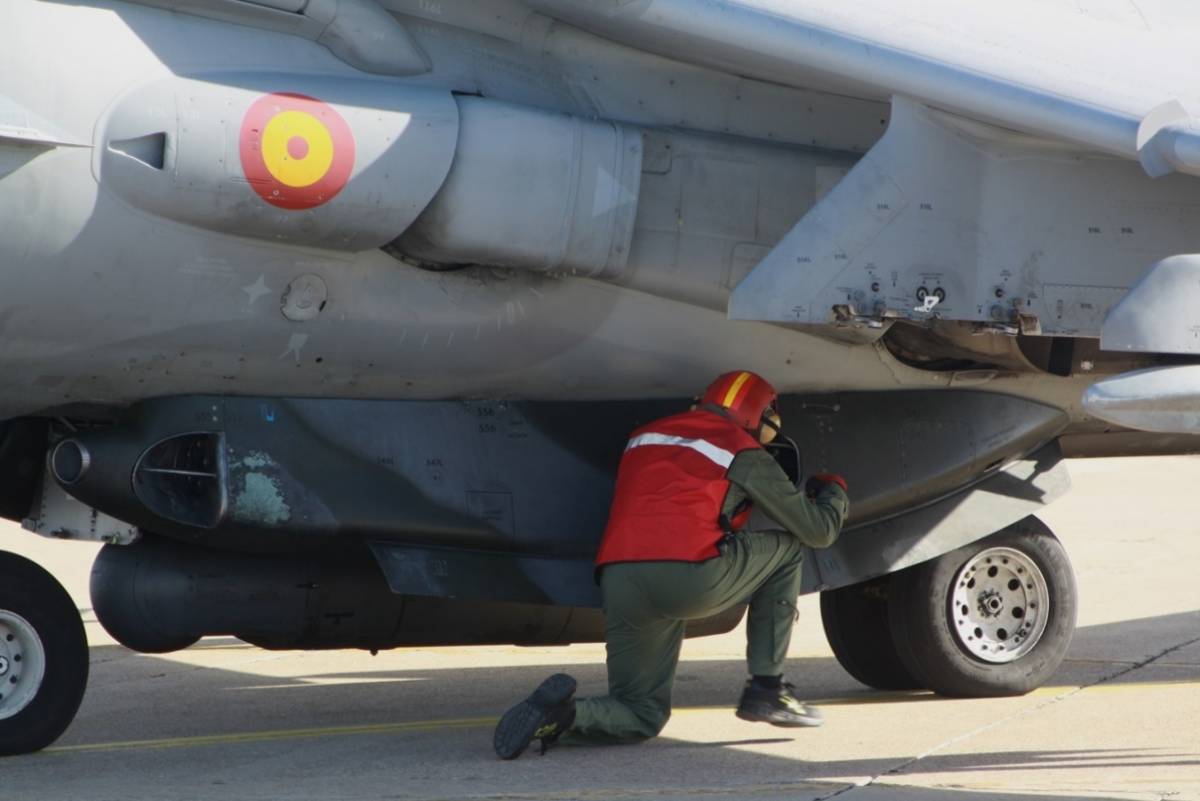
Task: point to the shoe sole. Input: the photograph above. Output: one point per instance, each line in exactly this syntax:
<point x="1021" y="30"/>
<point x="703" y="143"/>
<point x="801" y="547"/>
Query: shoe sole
<point x="775" y="718"/>
<point x="515" y="730"/>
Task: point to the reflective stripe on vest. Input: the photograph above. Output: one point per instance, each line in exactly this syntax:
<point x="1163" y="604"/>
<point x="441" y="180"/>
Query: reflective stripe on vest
<point x="720" y="456"/>
<point x="671" y="486"/>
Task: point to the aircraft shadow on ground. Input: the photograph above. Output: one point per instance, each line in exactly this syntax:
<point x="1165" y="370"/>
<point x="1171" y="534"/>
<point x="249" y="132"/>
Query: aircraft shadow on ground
<point x="135" y="697"/>
<point x="1143" y="638"/>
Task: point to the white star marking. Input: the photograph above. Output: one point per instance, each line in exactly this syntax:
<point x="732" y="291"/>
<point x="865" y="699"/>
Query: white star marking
<point x="257" y="289"/>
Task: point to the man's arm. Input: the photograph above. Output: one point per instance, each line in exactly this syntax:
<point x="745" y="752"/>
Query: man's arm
<point x="816" y="522"/>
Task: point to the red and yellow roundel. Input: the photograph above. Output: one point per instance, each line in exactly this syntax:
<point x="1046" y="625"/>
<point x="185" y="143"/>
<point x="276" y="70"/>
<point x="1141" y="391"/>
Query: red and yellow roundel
<point x="297" y="152"/>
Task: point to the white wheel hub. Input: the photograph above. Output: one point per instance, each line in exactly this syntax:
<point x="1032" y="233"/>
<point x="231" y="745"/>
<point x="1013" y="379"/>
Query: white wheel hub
<point x="999" y="605"/>
<point x="22" y="663"/>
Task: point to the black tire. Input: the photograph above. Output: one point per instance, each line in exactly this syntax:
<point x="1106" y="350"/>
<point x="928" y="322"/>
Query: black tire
<point x="33" y="594"/>
<point x="925" y="628"/>
<point x="857" y="628"/>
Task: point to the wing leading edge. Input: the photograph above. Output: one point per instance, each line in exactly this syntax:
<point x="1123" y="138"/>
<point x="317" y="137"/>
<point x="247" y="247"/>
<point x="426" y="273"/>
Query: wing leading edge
<point x="1123" y="89"/>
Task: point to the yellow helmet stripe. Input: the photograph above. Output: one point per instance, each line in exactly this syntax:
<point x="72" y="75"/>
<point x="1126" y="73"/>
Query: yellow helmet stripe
<point x="734" y="389"/>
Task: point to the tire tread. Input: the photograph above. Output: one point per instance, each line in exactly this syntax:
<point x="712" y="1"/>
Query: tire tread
<point x="28" y="590"/>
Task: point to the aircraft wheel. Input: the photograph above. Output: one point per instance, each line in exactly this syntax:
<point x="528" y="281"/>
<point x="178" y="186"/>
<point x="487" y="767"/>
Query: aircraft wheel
<point x="43" y="657"/>
<point x="992" y="618"/>
<point x="856" y="625"/>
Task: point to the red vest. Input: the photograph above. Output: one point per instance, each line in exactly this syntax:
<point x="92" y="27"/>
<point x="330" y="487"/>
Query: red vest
<point x="671" y="486"/>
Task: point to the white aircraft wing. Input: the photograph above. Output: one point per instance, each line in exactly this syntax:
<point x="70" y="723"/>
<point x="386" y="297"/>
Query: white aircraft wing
<point x="21" y="126"/>
<point x="993" y="198"/>
<point x="1114" y="75"/>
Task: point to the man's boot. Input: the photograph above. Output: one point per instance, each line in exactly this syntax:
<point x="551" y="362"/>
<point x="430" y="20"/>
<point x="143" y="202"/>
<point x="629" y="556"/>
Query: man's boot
<point x="544" y="716"/>
<point x="777" y="706"/>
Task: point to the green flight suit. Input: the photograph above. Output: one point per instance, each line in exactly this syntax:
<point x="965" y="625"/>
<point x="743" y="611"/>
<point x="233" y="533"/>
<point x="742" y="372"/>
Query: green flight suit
<point x="647" y="604"/>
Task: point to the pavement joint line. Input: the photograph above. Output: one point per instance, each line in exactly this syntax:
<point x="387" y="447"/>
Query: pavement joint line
<point x="1051" y="791"/>
<point x="1142" y="664"/>
<point x="1018" y="714"/>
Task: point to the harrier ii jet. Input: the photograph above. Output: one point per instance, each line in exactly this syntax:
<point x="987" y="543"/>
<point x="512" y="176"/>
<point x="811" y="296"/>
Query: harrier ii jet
<point x="331" y="317"/>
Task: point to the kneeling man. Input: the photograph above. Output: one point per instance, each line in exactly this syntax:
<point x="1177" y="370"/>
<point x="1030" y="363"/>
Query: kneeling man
<point x="675" y="550"/>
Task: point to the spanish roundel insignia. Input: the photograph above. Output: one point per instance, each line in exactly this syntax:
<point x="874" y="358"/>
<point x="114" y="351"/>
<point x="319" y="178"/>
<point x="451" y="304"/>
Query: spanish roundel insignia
<point x="297" y="152"/>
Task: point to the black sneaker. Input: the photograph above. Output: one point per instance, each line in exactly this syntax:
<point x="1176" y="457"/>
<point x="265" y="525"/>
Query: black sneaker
<point x="777" y="706"/>
<point x="544" y="716"/>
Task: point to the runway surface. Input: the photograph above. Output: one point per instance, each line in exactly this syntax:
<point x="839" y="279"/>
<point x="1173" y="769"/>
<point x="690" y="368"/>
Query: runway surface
<point x="225" y="720"/>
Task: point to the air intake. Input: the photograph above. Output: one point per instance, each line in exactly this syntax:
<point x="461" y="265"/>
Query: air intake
<point x="182" y="479"/>
<point x="150" y="149"/>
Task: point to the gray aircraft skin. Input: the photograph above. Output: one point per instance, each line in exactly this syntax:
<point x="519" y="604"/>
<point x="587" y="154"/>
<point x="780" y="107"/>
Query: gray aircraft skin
<point x="331" y="317"/>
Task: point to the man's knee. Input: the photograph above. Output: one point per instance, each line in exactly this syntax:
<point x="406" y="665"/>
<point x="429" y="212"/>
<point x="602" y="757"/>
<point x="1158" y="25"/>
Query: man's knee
<point x="619" y="719"/>
<point x="651" y="716"/>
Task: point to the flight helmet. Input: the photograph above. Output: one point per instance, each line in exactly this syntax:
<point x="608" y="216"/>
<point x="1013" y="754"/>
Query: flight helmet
<point x="746" y="397"/>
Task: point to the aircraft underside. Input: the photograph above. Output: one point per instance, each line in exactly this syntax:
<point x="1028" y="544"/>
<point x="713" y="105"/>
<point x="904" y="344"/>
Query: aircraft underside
<point x="336" y="340"/>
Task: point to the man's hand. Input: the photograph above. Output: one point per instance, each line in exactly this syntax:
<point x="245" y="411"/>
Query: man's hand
<point x="812" y="487"/>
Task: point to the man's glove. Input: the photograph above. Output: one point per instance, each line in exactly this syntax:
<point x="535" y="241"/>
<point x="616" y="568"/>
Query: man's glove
<point x="812" y="487"/>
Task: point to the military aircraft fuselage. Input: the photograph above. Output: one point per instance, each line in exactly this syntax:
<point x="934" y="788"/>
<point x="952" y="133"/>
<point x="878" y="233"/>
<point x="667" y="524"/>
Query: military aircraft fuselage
<point x="331" y="317"/>
<point x="505" y="225"/>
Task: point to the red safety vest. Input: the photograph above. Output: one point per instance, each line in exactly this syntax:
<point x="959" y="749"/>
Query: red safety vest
<point x="671" y="486"/>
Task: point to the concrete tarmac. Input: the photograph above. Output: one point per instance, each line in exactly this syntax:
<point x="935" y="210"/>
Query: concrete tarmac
<point x="224" y="720"/>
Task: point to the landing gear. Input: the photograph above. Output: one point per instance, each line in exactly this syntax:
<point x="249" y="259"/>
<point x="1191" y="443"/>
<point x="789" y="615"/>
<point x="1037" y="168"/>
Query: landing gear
<point x="992" y="618"/>
<point x="857" y="627"/>
<point x="43" y="657"/>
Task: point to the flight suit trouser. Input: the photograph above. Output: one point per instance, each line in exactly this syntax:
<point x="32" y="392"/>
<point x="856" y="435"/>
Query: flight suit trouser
<point x="647" y="605"/>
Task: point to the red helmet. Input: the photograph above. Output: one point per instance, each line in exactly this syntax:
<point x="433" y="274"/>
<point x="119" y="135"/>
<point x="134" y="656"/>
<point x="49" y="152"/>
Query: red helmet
<point x="747" y="396"/>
